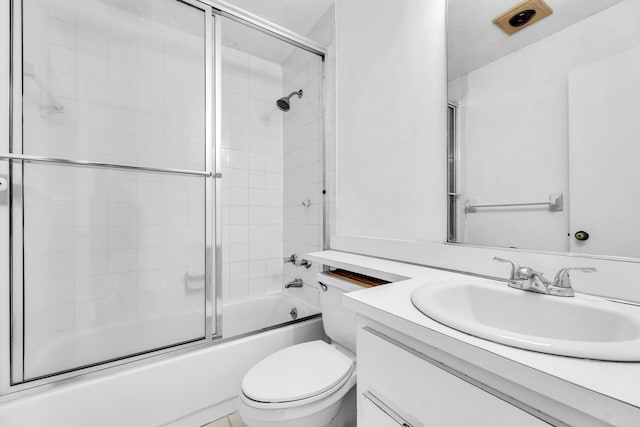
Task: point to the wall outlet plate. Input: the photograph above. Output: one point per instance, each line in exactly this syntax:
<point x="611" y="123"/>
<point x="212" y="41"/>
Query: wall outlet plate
<point x="541" y="9"/>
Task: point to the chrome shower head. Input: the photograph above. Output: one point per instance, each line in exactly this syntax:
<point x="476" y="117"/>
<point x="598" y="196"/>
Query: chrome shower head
<point x="284" y="104"/>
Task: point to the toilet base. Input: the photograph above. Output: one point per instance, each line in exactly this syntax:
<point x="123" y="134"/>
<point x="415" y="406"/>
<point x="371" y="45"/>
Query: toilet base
<point x="346" y="416"/>
<point x="342" y="413"/>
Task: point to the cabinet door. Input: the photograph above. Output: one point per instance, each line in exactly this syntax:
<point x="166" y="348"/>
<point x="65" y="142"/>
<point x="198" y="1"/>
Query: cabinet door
<point x="377" y="413"/>
<point x="424" y="394"/>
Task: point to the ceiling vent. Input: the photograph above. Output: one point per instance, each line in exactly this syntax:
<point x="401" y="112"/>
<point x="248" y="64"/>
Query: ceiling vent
<point x="522" y="15"/>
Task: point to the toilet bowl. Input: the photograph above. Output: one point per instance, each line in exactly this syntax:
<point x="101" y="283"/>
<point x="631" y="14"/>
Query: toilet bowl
<point x="310" y="384"/>
<point x="302" y="385"/>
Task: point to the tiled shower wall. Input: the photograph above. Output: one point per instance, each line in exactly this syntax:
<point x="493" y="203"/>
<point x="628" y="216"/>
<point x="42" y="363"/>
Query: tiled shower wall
<point x="252" y="175"/>
<point x="304" y="132"/>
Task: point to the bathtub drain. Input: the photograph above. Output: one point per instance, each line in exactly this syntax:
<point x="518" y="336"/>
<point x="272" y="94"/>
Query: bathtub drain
<point x="294" y="313"/>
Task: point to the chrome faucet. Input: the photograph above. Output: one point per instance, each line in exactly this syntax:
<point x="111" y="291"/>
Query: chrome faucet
<point x="528" y="279"/>
<point x="297" y="283"/>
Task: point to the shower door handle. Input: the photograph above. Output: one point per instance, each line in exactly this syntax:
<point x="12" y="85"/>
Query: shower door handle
<point x="4" y="190"/>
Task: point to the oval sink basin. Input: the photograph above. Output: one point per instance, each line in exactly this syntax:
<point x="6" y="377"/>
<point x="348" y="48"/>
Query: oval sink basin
<point x="581" y="326"/>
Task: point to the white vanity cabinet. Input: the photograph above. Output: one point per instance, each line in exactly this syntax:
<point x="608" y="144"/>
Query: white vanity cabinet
<point x="400" y="386"/>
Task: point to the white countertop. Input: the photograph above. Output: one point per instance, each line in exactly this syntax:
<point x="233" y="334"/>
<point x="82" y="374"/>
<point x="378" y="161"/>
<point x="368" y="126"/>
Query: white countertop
<point x="617" y="384"/>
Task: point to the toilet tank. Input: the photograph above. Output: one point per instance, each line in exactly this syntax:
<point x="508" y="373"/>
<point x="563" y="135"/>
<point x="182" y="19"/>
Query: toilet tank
<point x="339" y="322"/>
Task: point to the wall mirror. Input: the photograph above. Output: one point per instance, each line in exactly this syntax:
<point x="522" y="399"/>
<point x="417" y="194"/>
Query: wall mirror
<point x="544" y="128"/>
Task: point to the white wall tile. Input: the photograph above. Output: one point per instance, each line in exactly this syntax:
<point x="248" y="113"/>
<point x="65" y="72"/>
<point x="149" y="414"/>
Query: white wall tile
<point x="92" y="41"/>
<point x="61" y="59"/>
<point x="238" y="270"/>
<point x="62" y="33"/>
<point x="258" y="250"/>
<point x="257" y="233"/>
<point x="257" y="179"/>
<point x="238" y="252"/>
<point x="93" y="66"/>
<point x="257" y="197"/>
<point x="257" y="269"/>
<point x="238" y="215"/>
<point x="238" y="233"/>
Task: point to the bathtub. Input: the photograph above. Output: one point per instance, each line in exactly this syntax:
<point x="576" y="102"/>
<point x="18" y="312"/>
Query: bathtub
<point x="183" y="388"/>
<point x="68" y="350"/>
<point x="255" y="313"/>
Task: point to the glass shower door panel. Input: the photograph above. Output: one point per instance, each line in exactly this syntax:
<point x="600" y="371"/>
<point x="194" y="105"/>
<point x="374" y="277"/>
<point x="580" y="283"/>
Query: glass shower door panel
<point x="109" y="255"/>
<point x="113" y="264"/>
<point x="118" y="81"/>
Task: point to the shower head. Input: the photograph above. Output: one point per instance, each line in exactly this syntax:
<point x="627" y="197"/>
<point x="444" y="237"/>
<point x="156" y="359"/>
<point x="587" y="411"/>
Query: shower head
<point x="284" y="104"/>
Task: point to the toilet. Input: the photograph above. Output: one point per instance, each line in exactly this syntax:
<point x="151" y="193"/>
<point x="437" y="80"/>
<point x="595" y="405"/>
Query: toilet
<point x="310" y="384"/>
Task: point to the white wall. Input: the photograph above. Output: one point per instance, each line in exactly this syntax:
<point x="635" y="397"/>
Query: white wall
<point x="391" y="119"/>
<point x="514" y="133"/>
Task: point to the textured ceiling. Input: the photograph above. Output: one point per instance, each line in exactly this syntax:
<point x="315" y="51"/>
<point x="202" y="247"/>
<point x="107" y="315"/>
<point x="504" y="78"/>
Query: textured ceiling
<point x="474" y="41"/>
<point x="298" y="16"/>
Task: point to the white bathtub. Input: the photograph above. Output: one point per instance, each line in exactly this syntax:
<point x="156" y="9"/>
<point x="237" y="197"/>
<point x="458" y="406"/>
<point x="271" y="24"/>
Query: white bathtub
<point x="255" y="313"/>
<point x="187" y="389"/>
<point x="68" y="349"/>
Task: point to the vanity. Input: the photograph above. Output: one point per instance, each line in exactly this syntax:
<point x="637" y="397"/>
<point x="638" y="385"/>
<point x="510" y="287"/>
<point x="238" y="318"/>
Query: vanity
<point x="415" y="371"/>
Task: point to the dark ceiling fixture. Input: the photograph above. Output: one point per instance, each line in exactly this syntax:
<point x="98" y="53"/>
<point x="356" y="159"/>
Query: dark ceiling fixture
<point x="522" y="15"/>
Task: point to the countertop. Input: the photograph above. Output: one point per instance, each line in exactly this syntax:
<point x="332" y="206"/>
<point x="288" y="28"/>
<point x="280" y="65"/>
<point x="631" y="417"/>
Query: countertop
<point x="603" y="386"/>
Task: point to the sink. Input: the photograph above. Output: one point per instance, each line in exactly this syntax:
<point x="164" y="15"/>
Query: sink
<point x="582" y="326"/>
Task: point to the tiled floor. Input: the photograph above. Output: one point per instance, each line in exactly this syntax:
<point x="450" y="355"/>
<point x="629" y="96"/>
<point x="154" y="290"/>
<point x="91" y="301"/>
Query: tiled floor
<point x="232" y="420"/>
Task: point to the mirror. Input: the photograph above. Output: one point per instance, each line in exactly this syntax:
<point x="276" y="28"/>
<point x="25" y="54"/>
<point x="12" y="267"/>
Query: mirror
<point x="544" y="125"/>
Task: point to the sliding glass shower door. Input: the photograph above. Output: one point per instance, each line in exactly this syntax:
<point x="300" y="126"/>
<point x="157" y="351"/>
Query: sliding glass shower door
<point x="110" y="179"/>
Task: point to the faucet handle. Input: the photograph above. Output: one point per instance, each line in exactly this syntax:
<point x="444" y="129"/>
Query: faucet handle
<point x="293" y="259"/>
<point x="304" y="263"/>
<point x="562" y="279"/>
<point x="514" y="267"/>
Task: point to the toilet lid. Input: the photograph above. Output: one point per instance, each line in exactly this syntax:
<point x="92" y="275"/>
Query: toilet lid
<point x="297" y="372"/>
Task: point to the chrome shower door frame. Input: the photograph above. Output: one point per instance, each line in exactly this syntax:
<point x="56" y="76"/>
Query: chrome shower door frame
<point x="12" y="158"/>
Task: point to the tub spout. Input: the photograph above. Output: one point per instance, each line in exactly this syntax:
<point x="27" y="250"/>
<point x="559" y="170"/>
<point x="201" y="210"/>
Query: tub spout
<point x="297" y="283"/>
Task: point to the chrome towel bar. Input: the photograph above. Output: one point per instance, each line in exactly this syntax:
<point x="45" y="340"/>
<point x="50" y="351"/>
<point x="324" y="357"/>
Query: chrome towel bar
<point x="555" y="203"/>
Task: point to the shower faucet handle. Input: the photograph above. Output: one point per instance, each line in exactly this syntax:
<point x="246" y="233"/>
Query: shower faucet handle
<point x="304" y="263"/>
<point x="293" y="259"/>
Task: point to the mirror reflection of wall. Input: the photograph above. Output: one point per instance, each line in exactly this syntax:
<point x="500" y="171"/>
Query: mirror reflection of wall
<point x="549" y="110"/>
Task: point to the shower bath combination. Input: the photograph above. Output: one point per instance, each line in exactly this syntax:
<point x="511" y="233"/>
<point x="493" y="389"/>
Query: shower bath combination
<point x="284" y="103"/>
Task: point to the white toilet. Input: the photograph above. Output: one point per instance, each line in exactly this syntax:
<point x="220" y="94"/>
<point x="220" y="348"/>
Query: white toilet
<point x="309" y="384"/>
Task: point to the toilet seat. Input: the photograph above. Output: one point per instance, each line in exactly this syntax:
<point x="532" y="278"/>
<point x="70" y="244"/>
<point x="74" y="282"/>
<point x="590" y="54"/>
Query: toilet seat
<point x="297" y="375"/>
